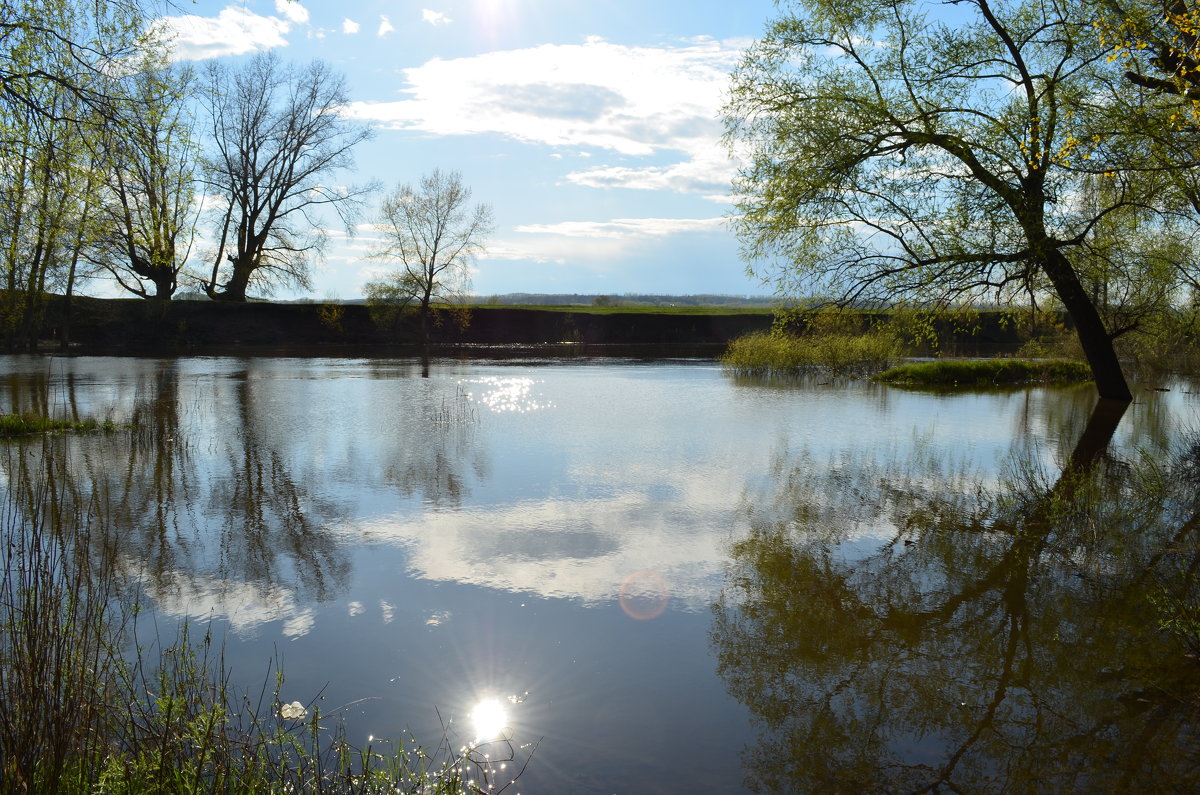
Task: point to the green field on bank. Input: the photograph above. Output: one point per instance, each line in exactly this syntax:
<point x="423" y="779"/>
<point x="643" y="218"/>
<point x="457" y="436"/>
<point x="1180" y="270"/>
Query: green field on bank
<point x="630" y="310"/>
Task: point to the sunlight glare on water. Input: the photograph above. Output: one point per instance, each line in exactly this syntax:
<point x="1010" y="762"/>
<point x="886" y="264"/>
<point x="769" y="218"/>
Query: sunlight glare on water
<point x="489" y="720"/>
<point x="504" y="395"/>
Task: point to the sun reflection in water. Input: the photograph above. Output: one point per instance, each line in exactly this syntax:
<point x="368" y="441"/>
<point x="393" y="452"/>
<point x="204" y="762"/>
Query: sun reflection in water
<point x="506" y="395"/>
<point x="489" y="720"/>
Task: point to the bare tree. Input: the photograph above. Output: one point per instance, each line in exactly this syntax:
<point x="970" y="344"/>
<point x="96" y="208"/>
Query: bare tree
<point x="277" y="138"/>
<point x="434" y="235"/>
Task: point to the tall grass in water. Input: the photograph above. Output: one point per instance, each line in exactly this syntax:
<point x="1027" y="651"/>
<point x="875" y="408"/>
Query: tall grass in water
<point x="30" y="423"/>
<point x="86" y="707"/>
<point x="831" y="346"/>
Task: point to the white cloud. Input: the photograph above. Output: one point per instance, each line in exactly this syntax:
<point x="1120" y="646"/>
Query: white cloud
<point x="434" y="18"/>
<point x="350" y="26"/>
<point x="385" y="26"/>
<point x="235" y="31"/>
<point x="595" y="95"/>
<point x="706" y="173"/>
<point x="595" y="246"/>
<point x="626" y="228"/>
<point x="292" y="11"/>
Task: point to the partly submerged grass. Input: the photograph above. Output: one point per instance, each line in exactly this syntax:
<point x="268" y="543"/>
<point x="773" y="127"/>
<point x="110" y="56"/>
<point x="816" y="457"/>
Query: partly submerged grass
<point x="775" y="353"/>
<point x="987" y="372"/>
<point x="29" y="423"/>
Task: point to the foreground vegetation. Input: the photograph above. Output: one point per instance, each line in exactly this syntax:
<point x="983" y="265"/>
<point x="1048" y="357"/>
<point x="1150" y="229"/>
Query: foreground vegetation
<point x="86" y="705"/>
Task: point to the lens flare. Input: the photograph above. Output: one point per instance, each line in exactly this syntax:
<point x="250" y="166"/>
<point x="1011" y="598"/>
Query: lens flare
<point x="644" y="595"/>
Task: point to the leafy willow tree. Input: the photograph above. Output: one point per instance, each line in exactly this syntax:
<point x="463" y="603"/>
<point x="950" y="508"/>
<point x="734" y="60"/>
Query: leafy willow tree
<point x="433" y="234"/>
<point x="277" y="139"/>
<point x="70" y="45"/>
<point x="56" y="62"/>
<point x="147" y="221"/>
<point x="45" y="183"/>
<point x="896" y="156"/>
<point x="1158" y="44"/>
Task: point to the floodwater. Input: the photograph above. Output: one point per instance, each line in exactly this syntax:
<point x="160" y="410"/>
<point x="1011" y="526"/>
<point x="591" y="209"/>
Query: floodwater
<point x="667" y="578"/>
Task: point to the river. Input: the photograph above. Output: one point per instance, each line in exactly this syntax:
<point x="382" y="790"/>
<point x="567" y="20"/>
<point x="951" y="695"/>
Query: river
<point x="662" y="577"/>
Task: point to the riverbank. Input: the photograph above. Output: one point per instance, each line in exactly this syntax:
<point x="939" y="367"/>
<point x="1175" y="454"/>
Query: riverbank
<point x="129" y="325"/>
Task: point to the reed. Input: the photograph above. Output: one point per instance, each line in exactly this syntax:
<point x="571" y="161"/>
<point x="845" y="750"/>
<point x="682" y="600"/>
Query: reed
<point x="780" y="353"/>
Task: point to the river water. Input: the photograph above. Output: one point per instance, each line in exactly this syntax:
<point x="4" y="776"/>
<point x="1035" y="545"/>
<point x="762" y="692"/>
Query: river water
<point x="670" y="579"/>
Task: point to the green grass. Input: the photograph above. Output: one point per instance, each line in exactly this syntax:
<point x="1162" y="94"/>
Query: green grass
<point x="988" y="372"/>
<point x="774" y="353"/>
<point x="30" y="423"/>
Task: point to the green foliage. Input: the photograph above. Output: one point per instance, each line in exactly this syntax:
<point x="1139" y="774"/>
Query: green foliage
<point x="990" y="372"/>
<point x="331" y="314"/>
<point x="626" y="309"/>
<point x="388" y="298"/>
<point x="58" y="100"/>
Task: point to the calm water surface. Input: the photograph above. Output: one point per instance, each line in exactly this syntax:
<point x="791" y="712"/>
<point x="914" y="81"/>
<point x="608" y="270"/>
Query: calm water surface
<point x="674" y="579"/>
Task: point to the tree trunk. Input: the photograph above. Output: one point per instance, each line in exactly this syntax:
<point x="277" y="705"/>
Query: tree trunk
<point x="1096" y="342"/>
<point x="233" y="290"/>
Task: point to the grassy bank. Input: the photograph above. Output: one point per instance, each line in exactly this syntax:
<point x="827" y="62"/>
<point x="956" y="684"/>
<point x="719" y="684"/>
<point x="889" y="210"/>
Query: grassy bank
<point x="88" y="705"/>
<point x="989" y="372"/>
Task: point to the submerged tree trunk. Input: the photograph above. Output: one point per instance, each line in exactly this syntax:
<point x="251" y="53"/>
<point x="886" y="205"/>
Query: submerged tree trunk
<point x="1096" y="341"/>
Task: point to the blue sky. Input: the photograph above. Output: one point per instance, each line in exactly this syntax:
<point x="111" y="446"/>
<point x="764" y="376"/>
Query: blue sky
<point x="590" y="126"/>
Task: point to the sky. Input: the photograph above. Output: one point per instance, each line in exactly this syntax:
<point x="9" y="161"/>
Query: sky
<point x="591" y="127"/>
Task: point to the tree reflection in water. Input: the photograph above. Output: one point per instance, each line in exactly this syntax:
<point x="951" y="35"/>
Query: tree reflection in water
<point x="221" y="524"/>
<point x="1029" y="633"/>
